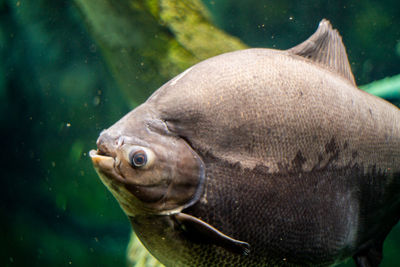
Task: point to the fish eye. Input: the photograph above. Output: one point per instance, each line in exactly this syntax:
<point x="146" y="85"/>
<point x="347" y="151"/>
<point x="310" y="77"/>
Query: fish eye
<point x="138" y="158"/>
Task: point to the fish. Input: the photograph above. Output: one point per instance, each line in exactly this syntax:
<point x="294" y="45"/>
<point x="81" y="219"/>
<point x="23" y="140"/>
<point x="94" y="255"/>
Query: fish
<point x="259" y="157"/>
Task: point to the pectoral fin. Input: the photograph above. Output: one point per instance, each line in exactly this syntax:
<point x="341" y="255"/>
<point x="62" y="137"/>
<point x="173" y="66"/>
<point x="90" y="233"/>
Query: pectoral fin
<point x="203" y="232"/>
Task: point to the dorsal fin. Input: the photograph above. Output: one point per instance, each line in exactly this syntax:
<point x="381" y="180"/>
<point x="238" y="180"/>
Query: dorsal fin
<point x="325" y="47"/>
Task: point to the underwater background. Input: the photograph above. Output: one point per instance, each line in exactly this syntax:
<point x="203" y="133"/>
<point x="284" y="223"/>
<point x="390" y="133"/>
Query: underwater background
<point x="69" y="69"/>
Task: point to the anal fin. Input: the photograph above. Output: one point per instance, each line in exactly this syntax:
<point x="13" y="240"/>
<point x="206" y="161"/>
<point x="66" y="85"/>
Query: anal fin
<point x="203" y="232"/>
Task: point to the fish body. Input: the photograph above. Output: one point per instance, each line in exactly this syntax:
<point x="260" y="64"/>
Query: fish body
<point x="259" y="157"/>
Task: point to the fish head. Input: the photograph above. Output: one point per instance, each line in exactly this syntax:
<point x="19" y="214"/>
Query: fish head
<point x="147" y="168"/>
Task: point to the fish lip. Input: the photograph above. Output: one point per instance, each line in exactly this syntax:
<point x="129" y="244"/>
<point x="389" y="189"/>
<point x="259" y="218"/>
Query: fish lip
<point x="106" y="164"/>
<point x="97" y="153"/>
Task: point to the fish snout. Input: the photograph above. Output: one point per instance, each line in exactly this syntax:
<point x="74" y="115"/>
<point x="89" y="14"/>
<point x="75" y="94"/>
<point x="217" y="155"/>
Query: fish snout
<point x="106" y="144"/>
<point x="105" y="158"/>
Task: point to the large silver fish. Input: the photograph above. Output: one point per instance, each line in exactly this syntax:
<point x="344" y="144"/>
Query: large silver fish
<point x="259" y="157"/>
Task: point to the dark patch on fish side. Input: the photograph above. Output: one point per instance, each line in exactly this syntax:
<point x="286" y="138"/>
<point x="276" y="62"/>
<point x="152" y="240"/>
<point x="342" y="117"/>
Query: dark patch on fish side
<point x="331" y="147"/>
<point x="298" y="162"/>
<point x="345" y="145"/>
<point x="332" y="153"/>
<point x="261" y="168"/>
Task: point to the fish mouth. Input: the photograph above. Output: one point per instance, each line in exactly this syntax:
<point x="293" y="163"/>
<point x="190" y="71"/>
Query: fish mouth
<point x="101" y="159"/>
<point x="106" y="165"/>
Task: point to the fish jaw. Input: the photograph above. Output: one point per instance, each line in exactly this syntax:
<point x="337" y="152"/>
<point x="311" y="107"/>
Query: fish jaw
<point x="105" y="168"/>
<point x="105" y="165"/>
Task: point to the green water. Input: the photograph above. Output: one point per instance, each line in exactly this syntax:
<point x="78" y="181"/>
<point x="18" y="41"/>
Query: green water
<point x="57" y="94"/>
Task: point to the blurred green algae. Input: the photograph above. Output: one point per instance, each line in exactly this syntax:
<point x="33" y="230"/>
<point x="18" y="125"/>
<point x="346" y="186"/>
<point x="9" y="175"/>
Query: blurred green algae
<point x="388" y="88"/>
<point x="176" y="35"/>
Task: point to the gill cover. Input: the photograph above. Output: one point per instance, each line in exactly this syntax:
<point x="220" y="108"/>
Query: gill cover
<point x="164" y="179"/>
